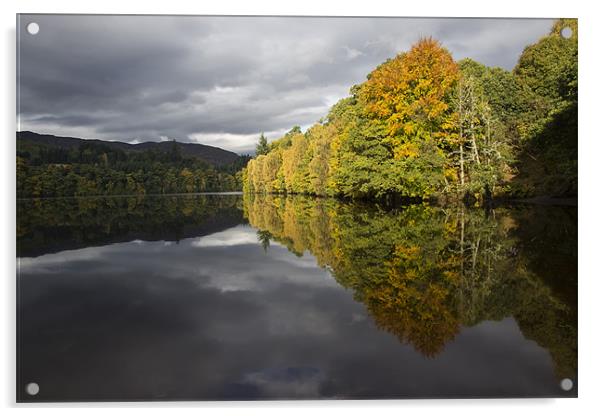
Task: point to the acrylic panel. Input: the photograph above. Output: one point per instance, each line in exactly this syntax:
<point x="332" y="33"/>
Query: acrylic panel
<point x="269" y="208"/>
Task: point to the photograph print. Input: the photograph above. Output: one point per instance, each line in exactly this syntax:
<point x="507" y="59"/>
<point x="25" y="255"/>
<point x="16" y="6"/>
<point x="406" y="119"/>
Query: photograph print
<point x="291" y="208"/>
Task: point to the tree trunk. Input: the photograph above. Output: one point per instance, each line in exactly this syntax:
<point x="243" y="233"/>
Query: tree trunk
<point x="461" y="163"/>
<point x="474" y="144"/>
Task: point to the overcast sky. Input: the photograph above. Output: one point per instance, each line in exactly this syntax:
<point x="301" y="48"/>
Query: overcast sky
<point x="222" y="80"/>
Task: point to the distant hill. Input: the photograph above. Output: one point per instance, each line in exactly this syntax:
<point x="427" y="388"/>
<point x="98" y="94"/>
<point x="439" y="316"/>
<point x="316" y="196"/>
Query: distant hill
<point x="210" y="154"/>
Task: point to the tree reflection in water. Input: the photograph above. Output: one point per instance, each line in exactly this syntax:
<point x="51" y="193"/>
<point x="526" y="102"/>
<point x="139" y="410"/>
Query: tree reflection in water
<point x="425" y="272"/>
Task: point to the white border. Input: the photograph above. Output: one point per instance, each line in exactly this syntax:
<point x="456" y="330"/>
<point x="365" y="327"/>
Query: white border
<point x="590" y="153"/>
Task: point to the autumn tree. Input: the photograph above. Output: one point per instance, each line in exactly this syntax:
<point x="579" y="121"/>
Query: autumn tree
<point x="294" y="163"/>
<point x="319" y="150"/>
<point x="408" y="102"/>
<point x="424" y="126"/>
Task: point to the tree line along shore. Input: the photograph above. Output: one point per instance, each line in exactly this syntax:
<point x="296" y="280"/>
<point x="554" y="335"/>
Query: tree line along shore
<point x="424" y="126"/>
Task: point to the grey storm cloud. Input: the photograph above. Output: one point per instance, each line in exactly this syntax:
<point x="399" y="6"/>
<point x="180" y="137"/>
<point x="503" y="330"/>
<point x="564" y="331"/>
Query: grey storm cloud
<point x="222" y="80"/>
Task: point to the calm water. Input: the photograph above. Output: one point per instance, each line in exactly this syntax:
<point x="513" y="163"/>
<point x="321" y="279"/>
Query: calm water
<point x="225" y="297"/>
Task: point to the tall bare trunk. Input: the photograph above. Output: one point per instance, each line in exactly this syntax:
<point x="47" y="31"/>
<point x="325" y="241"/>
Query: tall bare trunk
<point x="488" y="141"/>
<point x="474" y="144"/>
<point x="461" y="163"/>
<point x="476" y="151"/>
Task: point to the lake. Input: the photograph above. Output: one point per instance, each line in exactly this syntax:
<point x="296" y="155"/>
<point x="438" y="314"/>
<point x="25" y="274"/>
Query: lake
<point x="230" y="297"/>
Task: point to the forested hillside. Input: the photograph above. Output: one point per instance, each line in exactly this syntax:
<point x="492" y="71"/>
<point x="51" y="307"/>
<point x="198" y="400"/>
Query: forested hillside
<point x="50" y="166"/>
<point x="212" y="155"/>
<point x="425" y="126"/>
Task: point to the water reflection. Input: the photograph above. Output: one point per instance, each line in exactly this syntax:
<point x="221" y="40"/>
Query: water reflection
<point x="181" y="298"/>
<point x="50" y="225"/>
<point x="425" y="272"/>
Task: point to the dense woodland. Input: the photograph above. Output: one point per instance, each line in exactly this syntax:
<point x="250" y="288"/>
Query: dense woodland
<point x="94" y="168"/>
<point x="425" y="126"/>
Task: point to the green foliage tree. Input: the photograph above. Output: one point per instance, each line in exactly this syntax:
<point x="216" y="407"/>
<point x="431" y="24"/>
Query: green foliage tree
<point x="262" y="147"/>
<point x="547" y="155"/>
